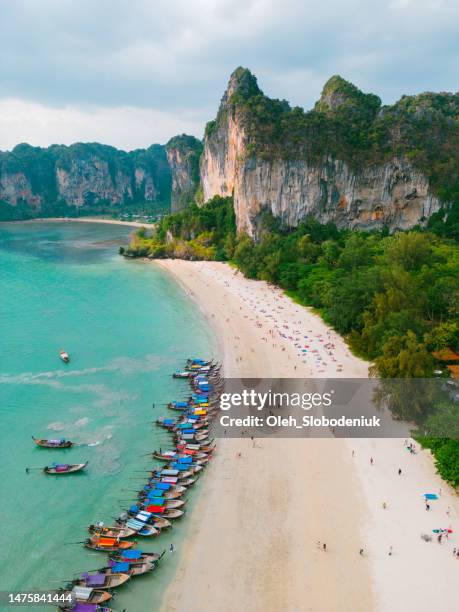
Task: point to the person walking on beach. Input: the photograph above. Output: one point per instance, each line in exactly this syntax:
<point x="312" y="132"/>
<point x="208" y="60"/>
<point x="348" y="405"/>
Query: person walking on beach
<point x="361" y="552"/>
<point x="399" y="471"/>
<point x="171" y="548"/>
<point x="324" y="547"/>
<point x="371" y="461"/>
<point x="390" y="551"/>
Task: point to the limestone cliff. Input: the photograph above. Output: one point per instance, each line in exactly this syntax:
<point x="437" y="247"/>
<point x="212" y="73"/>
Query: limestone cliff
<point x="349" y="161"/>
<point x="183" y="153"/>
<point x="85" y="177"/>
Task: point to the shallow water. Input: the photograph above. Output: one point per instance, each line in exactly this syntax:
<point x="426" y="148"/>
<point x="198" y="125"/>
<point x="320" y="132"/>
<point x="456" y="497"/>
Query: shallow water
<point x="127" y="326"/>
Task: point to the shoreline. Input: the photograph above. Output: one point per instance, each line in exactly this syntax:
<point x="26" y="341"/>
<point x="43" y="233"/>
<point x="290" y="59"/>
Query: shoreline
<point x="253" y="539"/>
<point x="253" y="555"/>
<point x="81" y="220"/>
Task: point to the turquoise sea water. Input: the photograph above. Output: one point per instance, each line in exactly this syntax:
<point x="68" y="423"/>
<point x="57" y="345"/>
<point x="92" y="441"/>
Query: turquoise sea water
<point x="127" y="326"/>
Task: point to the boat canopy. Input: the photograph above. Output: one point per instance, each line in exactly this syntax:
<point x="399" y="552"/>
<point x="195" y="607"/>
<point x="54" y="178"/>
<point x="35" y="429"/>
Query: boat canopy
<point x="156" y="509"/>
<point x="173" y="472"/>
<point x="132" y="554"/>
<point x="60" y="467"/>
<point x="156" y="501"/>
<point x="84" y="607"/>
<point x="106" y="541"/>
<point x="143" y="516"/>
<point x="120" y="567"/>
<point x="55" y="441"/>
<point x="134" y="524"/>
<point x="134" y="508"/>
<point x="169" y="480"/>
<point x="163" y="486"/>
<point x="168" y="422"/>
<point x="94" y="580"/>
<point x="185" y="460"/>
<point x="155" y="493"/>
<point x="80" y="592"/>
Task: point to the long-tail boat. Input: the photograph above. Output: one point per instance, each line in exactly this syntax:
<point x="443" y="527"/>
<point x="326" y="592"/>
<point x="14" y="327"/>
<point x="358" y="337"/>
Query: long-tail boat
<point x="183" y="374"/>
<point x="64" y="356"/>
<point x="86" y="595"/>
<point x="136" y="556"/>
<point x="98" y="542"/>
<point x="52" y="443"/>
<point x="101" y="580"/>
<point x="157" y="522"/>
<point x="64" y="468"/>
<point x="126" y="567"/>
<point x="112" y="532"/>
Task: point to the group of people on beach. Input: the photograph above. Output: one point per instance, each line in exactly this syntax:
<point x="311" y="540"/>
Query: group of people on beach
<point x="315" y="349"/>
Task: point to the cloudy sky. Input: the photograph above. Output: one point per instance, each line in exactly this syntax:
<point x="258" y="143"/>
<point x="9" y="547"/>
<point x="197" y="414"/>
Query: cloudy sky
<point x="133" y="72"/>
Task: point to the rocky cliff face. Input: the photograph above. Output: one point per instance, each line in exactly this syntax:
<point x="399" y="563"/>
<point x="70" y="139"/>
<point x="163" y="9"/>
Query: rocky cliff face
<point x="87" y="177"/>
<point x="183" y="153"/>
<point x="296" y="164"/>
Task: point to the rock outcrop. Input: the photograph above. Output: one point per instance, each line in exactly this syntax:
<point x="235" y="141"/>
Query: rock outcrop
<point x="86" y="177"/>
<point x="183" y="153"/>
<point x="296" y="164"/>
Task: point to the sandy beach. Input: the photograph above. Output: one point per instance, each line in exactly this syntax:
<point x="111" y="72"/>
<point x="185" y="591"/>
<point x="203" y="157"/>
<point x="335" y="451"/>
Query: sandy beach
<point x="253" y="533"/>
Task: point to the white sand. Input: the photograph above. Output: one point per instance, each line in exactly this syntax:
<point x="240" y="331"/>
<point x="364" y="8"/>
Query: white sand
<point x="253" y="532"/>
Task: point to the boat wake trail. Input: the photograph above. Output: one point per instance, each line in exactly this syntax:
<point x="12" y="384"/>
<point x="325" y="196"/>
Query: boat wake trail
<point x="121" y="365"/>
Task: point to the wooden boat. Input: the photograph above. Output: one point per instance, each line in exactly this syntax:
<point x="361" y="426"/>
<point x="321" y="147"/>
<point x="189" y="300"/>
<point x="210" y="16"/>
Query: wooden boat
<point x="64" y="468"/>
<point x="166" y="503"/>
<point x="174" y="503"/>
<point x="166" y="494"/>
<point x="175" y="493"/>
<point x="136" y="556"/>
<point x="168" y="473"/>
<point x="161" y="523"/>
<point x="173" y="513"/>
<point x="178" y="406"/>
<point x="58" y="443"/>
<point x="149" y="530"/>
<point x="132" y="569"/>
<point x="188" y="482"/>
<point x="64" y="356"/>
<point x="98" y="542"/>
<point x="87" y="595"/>
<point x="184" y="374"/>
<point x="101" y="580"/>
<point x="199" y="447"/>
<point x="164" y="455"/>
<point x="120" y="531"/>
<point x="153" y="481"/>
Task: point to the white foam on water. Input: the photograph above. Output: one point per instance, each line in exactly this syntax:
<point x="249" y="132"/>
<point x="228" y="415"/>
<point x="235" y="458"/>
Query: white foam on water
<point x="82" y="422"/>
<point x="57" y="426"/>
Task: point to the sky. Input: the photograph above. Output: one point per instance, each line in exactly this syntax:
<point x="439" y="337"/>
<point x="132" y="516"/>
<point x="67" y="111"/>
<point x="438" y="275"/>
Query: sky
<point x="132" y="73"/>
